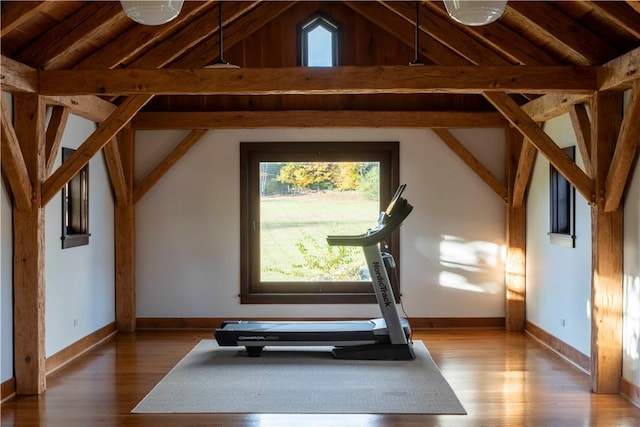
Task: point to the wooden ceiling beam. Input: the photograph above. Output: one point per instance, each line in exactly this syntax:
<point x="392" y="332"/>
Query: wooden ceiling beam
<point x="524" y="171"/>
<point x="470" y="160"/>
<point x="317" y="119"/>
<point x="625" y="152"/>
<point x="116" y="172"/>
<point x="404" y="30"/>
<point x="582" y="128"/>
<point x="53" y="137"/>
<point x="16" y="12"/>
<point x="635" y="4"/>
<point x="89" y="107"/>
<point x="553" y="105"/>
<point x="621" y="72"/>
<point x="17" y="77"/>
<point x="50" y="50"/>
<point x="94" y="143"/>
<point x="621" y="13"/>
<point x="584" y="46"/>
<point x="511" y="44"/>
<point x="134" y="42"/>
<point x="530" y="130"/>
<point x="237" y="26"/>
<point x="13" y="164"/>
<point x="311" y="80"/>
<point x="450" y="36"/>
<point x="195" y="33"/>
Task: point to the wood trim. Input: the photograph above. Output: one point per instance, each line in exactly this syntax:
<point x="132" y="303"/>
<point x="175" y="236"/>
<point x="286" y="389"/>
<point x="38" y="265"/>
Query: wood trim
<point x="630" y="391"/>
<point x="317" y="118"/>
<point x="417" y="323"/>
<point x="470" y="160"/>
<point x="7" y="389"/>
<point x="80" y="347"/>
<point x="564" y="350"/>
<point x="532" y="79"/>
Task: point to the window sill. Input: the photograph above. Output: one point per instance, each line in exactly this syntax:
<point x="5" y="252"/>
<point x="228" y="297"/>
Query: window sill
<point x="73" y="240"/>
<point x="566" y="240"/>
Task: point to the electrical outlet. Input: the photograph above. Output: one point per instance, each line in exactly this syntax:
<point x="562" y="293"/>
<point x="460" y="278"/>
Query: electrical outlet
<point x="563" y="322"/>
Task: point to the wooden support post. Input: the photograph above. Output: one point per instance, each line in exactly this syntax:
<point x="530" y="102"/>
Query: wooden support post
<point x="125" y="239"/>
<point x="29" y="252"/>
<point x="606" y="285"/>
<point x="515" y="272"/>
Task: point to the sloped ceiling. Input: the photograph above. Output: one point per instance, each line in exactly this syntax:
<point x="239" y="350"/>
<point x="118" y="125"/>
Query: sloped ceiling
<point x="87" y="35"/>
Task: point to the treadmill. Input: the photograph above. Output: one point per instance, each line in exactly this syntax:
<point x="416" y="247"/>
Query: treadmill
<point x="385" y="338"/>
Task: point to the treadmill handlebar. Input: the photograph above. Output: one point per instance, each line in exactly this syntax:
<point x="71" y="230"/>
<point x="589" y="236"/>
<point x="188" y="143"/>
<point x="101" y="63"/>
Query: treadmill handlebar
<point x="387" y="223"/>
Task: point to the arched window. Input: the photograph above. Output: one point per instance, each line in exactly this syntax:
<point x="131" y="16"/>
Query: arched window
<point x="319" y="41"/>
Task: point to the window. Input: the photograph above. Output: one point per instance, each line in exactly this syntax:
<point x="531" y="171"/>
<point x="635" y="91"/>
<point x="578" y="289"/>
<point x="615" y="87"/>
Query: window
<point x="75" y="207"/>
<point x="319" y="41"/>
<point x="562" y="204"/>
<point x="295" y="194"/>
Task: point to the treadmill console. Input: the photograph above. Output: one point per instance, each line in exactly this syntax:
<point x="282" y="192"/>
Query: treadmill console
<point x="396" y="212"/>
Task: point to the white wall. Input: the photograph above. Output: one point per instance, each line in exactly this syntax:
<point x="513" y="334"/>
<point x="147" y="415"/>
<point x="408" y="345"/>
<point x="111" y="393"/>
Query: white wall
<point x="6" y="271"/>
<point x="80" y="281"/>
<point x="558" y="278"/>
<point x="187" y="227"/>
<point x="631" y="263"/>
<point x="6" y="288"/>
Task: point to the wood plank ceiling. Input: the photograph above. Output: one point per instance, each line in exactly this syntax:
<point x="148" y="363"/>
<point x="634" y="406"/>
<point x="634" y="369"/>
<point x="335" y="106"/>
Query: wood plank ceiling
<point x="86" y="35"/>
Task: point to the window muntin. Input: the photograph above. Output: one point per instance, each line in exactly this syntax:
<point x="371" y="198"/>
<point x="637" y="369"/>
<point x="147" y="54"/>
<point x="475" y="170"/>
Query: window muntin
<point x="260" y="281"/>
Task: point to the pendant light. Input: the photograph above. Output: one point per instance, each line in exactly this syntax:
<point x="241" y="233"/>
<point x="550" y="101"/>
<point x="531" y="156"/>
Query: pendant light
<point x="221" y="62"/>
<point x="416" y="44"/>
<point x="151" y="12"/>
<point x="475" y="12"/>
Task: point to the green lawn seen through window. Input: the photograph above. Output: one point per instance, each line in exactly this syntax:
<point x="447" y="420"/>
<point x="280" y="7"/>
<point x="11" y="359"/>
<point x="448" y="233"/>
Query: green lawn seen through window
<point x="293" y="232"/>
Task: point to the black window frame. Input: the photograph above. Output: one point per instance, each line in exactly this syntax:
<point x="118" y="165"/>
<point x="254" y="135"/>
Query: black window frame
<point x="562" y="205"/>
<point x="252" y="291"/>
<point x="318" y="20"/>
<point x="75" y="206"/>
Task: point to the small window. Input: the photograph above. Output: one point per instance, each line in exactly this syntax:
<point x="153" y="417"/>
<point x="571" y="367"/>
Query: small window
<point x="295" y="194"/>
<point x="75" y="207"/>
<point x="319" y="41"/>
<point x="562" y="204"/>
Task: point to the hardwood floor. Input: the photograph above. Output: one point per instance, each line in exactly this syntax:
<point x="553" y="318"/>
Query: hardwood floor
<point x="502" y="379"/>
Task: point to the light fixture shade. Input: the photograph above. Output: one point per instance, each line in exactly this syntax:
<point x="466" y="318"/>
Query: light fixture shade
<point x="475" y="12"/>
<point x="152" y="12"/>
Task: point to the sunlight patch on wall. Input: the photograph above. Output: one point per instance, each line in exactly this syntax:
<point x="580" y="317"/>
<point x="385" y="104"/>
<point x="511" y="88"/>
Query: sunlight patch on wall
<point x="631" y="317"/>
<point x="470" y="265"/>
